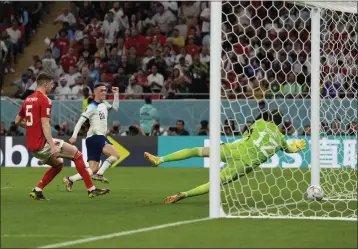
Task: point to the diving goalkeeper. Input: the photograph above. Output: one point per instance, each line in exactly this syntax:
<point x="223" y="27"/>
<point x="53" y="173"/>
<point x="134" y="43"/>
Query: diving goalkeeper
<point x="242" y="156"/>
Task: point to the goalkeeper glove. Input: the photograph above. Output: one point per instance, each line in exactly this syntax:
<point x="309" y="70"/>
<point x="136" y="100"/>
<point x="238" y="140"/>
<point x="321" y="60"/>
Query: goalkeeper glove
<point x="298" y="145"/>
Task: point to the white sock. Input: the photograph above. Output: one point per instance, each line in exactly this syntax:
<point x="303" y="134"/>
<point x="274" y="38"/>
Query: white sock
<point x="93" y="188"/>
<point x="38" y="189"/>
<point x="78" y="177"/>
<point x="110" y="160"/>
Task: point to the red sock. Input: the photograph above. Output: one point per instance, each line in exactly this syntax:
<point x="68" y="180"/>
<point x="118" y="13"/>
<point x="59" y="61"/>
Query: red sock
<point x="81" y="168"/>
<point x="48" y="177"/>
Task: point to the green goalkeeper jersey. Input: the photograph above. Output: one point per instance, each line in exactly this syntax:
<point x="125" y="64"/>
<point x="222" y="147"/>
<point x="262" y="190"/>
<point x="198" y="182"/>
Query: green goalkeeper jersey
<point x="258" y="144"/>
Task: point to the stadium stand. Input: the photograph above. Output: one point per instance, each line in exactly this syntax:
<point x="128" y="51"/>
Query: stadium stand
<point x="162" y="49"/>
<point x="119" y="42"/>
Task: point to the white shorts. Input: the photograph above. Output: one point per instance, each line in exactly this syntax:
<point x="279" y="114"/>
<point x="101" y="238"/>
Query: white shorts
<point x="45" y="153"/>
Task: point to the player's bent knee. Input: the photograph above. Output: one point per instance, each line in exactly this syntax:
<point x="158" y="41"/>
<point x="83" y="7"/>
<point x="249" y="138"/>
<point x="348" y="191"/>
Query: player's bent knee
<point x="60" y="166"/>
<point x="114" y="153"/>
<point x="77" y="154"/>
<point x="109" y="150"/>
<point x="116" y="156"/>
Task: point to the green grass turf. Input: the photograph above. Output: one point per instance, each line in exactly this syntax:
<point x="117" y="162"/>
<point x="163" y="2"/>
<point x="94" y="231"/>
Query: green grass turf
<point x="136" y="202"/>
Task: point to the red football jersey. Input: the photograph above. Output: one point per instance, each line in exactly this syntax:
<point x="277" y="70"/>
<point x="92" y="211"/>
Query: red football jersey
<point x="61" y="43"/>
<point x="91" y="28"/>
<point x="35" y="107"/>
<point x="192" y="49"/>
<point x="67" y="61"/>
<point x="140" y="43"/>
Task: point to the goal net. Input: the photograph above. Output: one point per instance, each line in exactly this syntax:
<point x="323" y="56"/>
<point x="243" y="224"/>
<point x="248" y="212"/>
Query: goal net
<point x="266" y="65"/>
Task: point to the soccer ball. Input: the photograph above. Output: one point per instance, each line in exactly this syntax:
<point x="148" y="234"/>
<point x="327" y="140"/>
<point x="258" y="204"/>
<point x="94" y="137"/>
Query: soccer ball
<point x="315" y="192"/>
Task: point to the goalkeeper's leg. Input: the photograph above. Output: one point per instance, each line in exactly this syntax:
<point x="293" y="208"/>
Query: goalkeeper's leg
<point x="178" y="155"/>
<point x="230" y="173"/>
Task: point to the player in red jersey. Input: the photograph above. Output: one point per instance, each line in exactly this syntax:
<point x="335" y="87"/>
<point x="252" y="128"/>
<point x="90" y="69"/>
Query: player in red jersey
<point x="35" y="115"/>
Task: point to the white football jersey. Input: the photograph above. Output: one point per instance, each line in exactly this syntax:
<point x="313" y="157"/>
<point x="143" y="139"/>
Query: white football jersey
<point x="97" y="114"/>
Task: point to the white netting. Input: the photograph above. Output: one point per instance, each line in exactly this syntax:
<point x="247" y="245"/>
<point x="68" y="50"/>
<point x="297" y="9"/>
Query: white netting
<point x="266" y="57"/>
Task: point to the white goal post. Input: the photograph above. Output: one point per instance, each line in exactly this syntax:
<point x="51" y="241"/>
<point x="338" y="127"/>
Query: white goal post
<point x="323" y="18"/>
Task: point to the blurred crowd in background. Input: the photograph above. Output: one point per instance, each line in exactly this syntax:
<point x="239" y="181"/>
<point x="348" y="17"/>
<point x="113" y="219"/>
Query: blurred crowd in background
<point x="161" y="49"/>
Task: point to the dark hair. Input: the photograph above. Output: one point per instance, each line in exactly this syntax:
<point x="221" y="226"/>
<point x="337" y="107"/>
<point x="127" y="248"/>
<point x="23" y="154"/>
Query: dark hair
<point x="204" y="124"/>
<point x="230" y="123"/>
<point x="148" y="100"/>
<point x="98" y="85"/>
<point x="89" y="100"/>
<point x="66" y="24"/>
<point x="181" y="121"/>
<point x="276" y="117"/>
<point x="85" y="90"/>
<point x="63" y="30"/>
<point x="133" y="131"/>
<point x="262" y="103"/>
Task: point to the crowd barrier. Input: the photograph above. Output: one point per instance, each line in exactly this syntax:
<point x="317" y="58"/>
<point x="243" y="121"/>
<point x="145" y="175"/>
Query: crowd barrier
<point x="336" y="152"/>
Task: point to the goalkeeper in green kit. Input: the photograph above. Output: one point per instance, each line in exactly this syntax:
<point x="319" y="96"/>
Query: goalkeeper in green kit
<point x="242" y="156"/>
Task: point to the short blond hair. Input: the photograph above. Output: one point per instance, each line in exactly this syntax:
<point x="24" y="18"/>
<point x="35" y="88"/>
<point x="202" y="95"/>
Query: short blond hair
<point x="42" y="78"/>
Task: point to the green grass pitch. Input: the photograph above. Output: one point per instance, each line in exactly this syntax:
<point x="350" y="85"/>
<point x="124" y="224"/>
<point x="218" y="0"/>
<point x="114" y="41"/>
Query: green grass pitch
<point x="136" y="201"/>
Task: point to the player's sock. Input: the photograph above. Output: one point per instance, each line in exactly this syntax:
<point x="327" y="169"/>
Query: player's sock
<point x="202" y="189"/>
<point x="81" y="168"/>
<point x="110" y="160"/>
<point x="48" y="177"/>
<point x="78" y="177"/>
<point x="183" y="154"/>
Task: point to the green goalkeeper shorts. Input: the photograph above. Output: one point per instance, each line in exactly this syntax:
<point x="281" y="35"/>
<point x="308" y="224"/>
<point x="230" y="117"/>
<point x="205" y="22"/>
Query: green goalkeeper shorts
<point x="235" y="164"/>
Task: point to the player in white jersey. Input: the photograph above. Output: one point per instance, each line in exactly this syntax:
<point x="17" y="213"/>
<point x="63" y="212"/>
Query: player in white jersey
<point x="96" y="141"/>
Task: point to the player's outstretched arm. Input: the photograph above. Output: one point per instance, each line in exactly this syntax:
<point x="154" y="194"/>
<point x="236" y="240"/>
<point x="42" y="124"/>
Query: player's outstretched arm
<point x="115" y="104"/>
<point x="89" y="112"/>
<point x="77" y="128"/>
<point x="296" y="146"/>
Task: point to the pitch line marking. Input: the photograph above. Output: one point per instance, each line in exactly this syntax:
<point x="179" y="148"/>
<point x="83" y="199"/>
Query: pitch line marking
<point x="124" y="233"/>
<point x="5" y="188"/>
<point x="44" y="236"/>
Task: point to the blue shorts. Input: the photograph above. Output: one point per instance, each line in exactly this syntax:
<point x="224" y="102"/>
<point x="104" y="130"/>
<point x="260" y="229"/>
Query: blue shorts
<point x="95" y="146"/>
